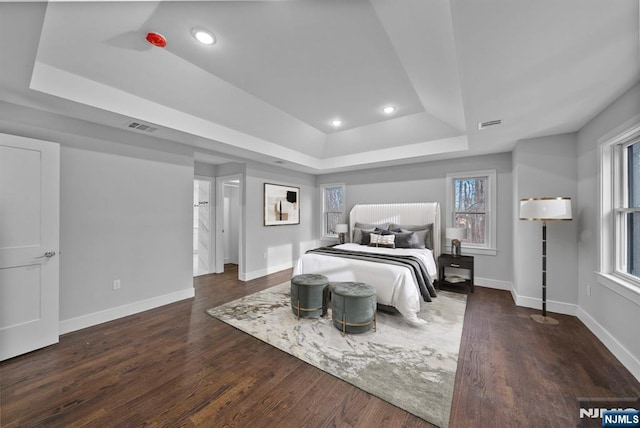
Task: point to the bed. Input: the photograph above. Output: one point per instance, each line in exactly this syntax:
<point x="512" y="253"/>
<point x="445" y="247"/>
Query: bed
<point x="396" y="279"/>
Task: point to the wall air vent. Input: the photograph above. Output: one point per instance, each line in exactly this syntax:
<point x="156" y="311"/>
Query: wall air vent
<point x="141" y="127"/>
<point x="483" y="125"/>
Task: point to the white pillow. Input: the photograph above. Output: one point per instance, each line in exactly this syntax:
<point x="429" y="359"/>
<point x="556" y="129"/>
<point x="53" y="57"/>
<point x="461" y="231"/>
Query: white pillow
<point x="382" y="240"/>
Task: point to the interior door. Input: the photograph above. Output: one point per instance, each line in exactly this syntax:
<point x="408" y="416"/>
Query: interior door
<point x="29" y="241"/>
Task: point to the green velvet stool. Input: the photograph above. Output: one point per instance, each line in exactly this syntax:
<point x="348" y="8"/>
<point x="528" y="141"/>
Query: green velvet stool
<point x="309" y="295"/>
<point x="353" y="307"/>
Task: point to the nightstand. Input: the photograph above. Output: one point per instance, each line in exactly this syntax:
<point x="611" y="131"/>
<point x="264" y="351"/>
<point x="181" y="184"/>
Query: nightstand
<point x="459" y="262"/>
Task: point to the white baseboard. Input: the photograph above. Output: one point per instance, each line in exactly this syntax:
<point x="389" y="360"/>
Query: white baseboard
<point x="493" y="283"/>
<point x="527" y="302"/>
<point x="95" y="318"/>
<point x="536" y="303"/>
<point x="248" y="276"/>
<point x="621" y="353"/>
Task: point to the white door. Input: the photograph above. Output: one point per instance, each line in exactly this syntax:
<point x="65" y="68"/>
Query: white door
<point x="29" y="240"/>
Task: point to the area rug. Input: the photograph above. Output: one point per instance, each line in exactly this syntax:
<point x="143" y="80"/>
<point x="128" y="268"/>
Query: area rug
<point x="413" y="368"/>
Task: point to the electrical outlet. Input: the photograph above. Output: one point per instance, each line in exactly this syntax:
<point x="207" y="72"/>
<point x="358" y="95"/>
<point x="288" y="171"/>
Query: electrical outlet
<point x="116" y="284"/>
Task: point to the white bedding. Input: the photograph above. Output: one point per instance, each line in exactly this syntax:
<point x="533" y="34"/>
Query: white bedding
<point x="394" y="285"/>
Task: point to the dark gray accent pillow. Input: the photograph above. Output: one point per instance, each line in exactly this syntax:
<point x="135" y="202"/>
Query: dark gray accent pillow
<point x="407" y="240"/>
<point x="382" y="231"/>
<point x="366" y="238"/>
<point x="424" y="232"/>
<point x="358" y="234"/>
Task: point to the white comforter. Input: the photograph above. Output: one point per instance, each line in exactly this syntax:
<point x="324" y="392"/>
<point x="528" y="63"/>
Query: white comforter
<point x="394" y="285"/>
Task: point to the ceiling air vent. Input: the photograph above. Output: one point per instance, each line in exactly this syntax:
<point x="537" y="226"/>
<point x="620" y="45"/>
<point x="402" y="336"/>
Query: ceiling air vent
<point x="141" y="127"/>
<point x="483" y="125"/>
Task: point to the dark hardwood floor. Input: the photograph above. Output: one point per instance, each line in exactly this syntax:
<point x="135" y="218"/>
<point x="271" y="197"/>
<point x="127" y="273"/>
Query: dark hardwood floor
<point x="176" y="366"/>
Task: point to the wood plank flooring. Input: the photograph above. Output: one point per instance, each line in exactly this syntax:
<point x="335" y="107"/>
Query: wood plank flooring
<point x="176" y="366"/>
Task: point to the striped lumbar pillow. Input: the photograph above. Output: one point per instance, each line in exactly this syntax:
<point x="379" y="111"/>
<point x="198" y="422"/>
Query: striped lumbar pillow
<point x="382" y="240"/>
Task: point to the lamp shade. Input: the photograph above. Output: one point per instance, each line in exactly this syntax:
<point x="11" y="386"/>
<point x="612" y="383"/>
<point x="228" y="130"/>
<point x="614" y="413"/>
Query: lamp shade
<point x="455" y="233"/>
<point x="342" y="228"/>
<point x="545" y="209"/>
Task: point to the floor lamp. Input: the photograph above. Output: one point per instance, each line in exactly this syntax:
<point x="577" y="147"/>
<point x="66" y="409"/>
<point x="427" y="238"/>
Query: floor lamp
<point x="545" y="209"/>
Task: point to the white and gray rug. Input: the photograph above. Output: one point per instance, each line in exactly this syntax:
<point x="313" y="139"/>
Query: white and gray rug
<point x="413" y="368"/>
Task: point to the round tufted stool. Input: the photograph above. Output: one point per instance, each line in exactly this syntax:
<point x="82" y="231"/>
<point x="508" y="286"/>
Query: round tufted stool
<point x="309" y="295"/>
<point x="353" y="307"/>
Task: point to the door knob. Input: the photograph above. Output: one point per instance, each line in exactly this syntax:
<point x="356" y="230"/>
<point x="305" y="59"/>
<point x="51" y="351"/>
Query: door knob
<point x="48" y="255"/>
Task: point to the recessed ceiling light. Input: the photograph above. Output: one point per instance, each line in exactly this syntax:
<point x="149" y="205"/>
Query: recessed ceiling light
<point x="203" y="36"/>
<point x="336" y="122"/>
<point x="389" y="110"/>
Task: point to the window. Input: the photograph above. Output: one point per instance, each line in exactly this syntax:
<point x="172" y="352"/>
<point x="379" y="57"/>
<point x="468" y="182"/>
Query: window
<point x="620" y="211"/>
<point x="332" y="208"/>
<point x="471" y="205"/>
<point x="627" y="208"/>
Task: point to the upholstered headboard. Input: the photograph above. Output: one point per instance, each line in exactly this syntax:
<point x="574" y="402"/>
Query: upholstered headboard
<point x="405" y="213"/>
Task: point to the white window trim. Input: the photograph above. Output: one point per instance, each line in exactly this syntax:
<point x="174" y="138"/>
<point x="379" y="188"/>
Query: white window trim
<point x="607" y="274"/>
<point x="490" y="247"/>
<point x="323" y="223"/>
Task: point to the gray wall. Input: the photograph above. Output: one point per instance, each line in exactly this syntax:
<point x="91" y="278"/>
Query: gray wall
<point x="546" y="167"/>
<point x="125" y="213"/>
<point x="274" y="248"/>
<point x="426" y="182"/>
<point x="611" y="316"/>
<point x="124" y="218"/>
<point x="204" y="169"/>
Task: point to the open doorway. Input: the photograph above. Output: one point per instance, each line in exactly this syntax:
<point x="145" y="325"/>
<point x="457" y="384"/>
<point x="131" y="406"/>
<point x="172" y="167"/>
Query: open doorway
<point x="228" y="224"/>
<point x="202" y="248"/>
<point x="231" y="221"/>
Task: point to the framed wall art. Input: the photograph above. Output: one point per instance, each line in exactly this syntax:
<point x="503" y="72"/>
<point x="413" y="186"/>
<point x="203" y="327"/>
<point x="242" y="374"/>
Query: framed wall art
<point x="281" y="205"/>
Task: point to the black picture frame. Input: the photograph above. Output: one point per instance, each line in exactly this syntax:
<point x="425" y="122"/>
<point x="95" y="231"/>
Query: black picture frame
<point x="281" y="205"/>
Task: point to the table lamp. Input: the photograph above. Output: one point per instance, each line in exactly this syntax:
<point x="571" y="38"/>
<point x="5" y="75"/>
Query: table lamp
<point x="342" y="229"/>
<point x="456" y="234"/>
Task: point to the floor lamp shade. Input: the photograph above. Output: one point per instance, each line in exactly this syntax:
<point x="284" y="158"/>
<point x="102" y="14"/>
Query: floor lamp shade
<point x="545" y="209"/>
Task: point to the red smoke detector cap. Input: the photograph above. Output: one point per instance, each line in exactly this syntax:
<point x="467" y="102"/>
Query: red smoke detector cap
<point x="157" y="39"/>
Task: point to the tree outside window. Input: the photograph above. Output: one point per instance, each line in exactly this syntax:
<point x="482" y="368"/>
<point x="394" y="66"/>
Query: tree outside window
<point x="333" y="208"/>
<point x="471" y="204"/>
<point x="470" y="208"/>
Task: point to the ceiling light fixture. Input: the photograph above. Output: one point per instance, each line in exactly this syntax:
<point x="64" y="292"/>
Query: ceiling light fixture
<point x="336" y="122"/>
<point x="203" y="36"/>
<point x="389" y="110"/>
